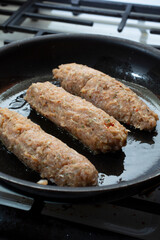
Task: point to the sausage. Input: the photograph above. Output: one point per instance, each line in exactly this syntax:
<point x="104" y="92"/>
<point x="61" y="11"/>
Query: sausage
<point x="92" y="126"/>
<point x="106" y="93"/>
<point x="44" y="153"/>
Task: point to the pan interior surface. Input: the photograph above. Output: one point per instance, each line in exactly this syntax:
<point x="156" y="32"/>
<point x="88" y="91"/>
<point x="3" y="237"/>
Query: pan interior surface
<point x="32" y="60"/>
<point x="139" y="157"/>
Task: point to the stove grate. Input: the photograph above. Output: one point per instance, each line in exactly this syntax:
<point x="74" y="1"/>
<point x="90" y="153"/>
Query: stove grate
<point x="31" y="10"/>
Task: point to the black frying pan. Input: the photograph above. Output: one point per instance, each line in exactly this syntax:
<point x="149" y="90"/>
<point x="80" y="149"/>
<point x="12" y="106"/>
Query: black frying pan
<point x="124" y="173"/>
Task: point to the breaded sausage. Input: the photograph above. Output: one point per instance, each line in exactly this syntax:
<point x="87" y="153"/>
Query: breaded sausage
<point x="95" y="128"/>
<point x="106" y="93"/>
<point x="44" y="153"/>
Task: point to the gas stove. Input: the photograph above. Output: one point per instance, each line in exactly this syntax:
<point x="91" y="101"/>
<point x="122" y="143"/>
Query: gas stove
<point x="136" y="217"/>
<point x="130" y="20"/>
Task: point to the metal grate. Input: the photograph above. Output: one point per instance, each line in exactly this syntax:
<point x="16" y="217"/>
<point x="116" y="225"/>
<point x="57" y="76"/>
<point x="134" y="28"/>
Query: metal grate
<point x="31" y="9"/>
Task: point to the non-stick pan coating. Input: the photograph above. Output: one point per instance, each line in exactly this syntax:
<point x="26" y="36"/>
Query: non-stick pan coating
<point x="123" y="173"/>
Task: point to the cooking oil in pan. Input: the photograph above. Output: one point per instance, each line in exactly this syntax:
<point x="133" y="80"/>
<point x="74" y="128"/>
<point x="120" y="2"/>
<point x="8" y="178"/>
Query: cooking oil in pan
<point x="139" y="157"/>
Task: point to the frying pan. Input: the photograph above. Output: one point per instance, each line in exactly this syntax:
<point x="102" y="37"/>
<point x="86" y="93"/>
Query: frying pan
<point x="121" y="174"/>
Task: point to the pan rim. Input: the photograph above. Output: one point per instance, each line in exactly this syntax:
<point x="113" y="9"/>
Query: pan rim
<point x="18" y="43"/>
<point x="93" y="189"/>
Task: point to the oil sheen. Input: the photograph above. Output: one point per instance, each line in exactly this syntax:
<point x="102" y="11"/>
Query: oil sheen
<point x="141" y="155"/>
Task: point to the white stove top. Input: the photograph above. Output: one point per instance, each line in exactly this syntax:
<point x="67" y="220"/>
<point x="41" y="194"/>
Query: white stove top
<point x="134" y="30"/>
